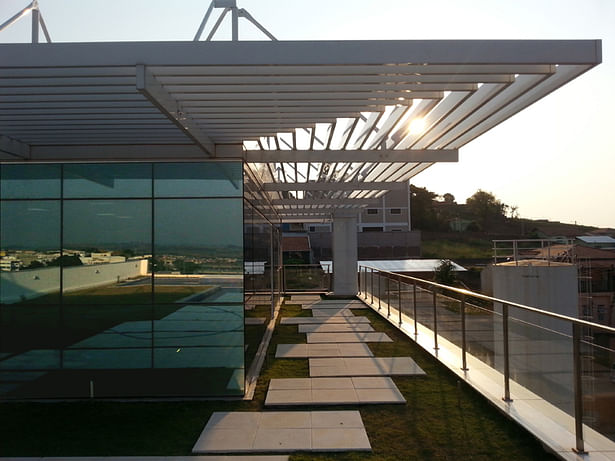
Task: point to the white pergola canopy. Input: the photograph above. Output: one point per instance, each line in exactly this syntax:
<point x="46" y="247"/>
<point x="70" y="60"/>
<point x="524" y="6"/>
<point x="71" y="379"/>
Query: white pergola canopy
<point x="323" y="124"/>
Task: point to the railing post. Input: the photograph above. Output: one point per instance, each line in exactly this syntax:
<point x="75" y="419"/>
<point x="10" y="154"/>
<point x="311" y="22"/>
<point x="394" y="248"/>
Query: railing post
<point x="371" y="283"/>
<point x="506" y="397"/>
<point x="388" y="296"/>
<point x="416" y="331"/>
<point x="399" y="298"/>
<point x="360" y="284"/>
<point x="435" y="322"/>
<point x="578" y="389"/>
<point x="365" y="283"/>
<point x="284" y="279"/>
<point x="379" y="291"/>
<point x="464" y="363"/>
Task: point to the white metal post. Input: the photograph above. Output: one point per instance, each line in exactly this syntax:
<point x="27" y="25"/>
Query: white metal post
<point x="35" y="20"/>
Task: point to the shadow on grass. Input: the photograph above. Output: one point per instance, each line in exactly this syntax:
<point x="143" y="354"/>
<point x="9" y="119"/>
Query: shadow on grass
<point x="443" y="419"/>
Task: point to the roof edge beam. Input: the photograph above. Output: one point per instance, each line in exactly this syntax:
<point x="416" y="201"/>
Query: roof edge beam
<point x="334" y="186"/>
<point x="158" y="96"/>
<point x="115" y="151"/>
<point x="382" y="155"/>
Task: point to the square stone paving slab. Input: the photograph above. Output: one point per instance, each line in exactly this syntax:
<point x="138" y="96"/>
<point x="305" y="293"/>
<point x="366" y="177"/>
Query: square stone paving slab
<point x="302" y="351"/>
<point x="364" y="366"/>
<point x="305" y="298"/>
<point x="322" y="320"/>
<point x="357" y="337"/>
<point x="288" y="431"/>
<point x="326" y="304"/>
<point x="332" y="391"/>
<point x="335" y="312"/>
<point x="335" y="328"/>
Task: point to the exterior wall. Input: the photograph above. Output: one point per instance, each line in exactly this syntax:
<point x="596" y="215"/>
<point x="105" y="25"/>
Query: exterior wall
<point x="540" y="347"/>
<point x="30" y="284"/>
<point x="345" y="281"/>
<point x="87" y="336"/>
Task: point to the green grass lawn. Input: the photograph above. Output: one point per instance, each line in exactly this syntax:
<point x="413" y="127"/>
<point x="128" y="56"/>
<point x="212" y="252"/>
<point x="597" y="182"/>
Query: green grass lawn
<point x="449" y="249"/>
<point x="442" y="420"/>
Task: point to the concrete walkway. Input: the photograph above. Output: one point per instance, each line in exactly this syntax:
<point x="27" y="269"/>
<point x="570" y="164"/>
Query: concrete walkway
<point x="343" y="371"/>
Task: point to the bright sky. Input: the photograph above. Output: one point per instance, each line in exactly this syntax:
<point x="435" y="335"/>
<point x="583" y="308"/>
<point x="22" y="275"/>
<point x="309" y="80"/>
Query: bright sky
<point x="554" y="160"/>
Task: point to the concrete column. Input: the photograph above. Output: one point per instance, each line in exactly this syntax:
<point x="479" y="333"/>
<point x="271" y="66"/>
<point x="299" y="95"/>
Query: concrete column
<point x="345" y="253"/>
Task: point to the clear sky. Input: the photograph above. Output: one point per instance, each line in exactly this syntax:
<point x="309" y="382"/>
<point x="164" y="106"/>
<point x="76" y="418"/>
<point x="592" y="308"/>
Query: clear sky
<point x="554" y="160"/>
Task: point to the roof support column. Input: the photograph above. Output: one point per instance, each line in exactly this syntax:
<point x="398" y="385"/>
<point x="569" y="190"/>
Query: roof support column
<point x="345" y="253"/>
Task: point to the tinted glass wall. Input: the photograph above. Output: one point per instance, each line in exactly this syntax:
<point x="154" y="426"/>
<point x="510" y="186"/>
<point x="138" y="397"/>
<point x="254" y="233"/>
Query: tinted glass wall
<point x="121" y="280"/>
<point x="261" y="246"/>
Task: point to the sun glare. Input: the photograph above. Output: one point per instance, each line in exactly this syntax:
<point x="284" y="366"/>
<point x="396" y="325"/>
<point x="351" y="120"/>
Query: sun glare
<point x="416" y="126"/>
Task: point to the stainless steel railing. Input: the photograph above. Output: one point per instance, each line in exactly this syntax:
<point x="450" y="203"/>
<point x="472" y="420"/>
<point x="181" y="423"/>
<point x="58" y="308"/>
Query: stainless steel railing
<point x="448" y="311"/>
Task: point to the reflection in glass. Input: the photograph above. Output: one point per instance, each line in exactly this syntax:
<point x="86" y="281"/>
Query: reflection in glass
<point x="198" y="179"/>
<point x="207" y="336"/>
<point x="199" y="236"/>
<point x="30" y="251"/>
<point x="92" y="180"/>
<point x="78" y="319"/>
<point x="30" y="181"/>
<point x="107" y="245"/>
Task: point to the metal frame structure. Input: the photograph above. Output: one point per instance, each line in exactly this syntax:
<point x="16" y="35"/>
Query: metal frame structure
<point x="323" y="124"/>
<point x="37" y="20"/>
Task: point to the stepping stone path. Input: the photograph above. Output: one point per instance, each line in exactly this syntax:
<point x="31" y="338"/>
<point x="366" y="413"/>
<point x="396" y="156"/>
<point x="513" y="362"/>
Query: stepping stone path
<point x="343" y="371"/>
<point x="364" y="366"/>
<point x="304" y="351"/>
<point x="283" y="431"/>
<point x="336" y="328"/>
<point x="333" y="391"/>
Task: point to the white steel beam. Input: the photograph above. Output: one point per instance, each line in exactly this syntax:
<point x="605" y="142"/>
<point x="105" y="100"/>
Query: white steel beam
<point x="324" y="71"/>
<point x="293" y="80"/>
<point x="158" y="96"/>
<point x="302" y="202"/>
<point x="335" y="186"/>
<point x="381" y="156"/>
<point x="244" y="89"/>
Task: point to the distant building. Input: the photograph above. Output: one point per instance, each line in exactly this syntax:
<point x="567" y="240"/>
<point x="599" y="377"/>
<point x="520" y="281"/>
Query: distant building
<point x="597" y="241"/>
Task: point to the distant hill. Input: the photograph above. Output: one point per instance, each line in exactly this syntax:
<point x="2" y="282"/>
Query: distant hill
<point x="477" y="245"/>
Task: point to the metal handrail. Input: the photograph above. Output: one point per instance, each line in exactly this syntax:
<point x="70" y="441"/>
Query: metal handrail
<point x="576" y="324"/>
<point x="536" y="310"/>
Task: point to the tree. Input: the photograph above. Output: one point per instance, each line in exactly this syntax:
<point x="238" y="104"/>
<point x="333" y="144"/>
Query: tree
<point x="448" y="198"/>
<point x="444" y="274"/>
<point x="422" y="210"/>
<point x="66" y="261"/>
<point x="485" y="208"/>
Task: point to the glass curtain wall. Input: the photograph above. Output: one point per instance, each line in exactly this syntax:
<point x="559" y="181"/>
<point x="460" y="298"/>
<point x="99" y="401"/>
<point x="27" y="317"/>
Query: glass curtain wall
<point x="121" y="280"/>
<point x="261" y="246"/>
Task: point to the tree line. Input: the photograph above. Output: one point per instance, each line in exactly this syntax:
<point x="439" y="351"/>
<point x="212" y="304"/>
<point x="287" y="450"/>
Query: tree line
<point x="481" y="212"/>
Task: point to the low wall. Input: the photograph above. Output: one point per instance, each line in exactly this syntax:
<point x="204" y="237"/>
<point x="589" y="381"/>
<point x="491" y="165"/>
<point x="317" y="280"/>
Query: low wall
<point x="30" y="284"/>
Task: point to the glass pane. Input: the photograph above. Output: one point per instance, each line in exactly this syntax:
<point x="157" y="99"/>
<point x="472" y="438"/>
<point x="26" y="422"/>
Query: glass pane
<point x="198" y="179"/>
<point x="30" y="181"/>
<point x="94" y="180"/>
<point x="30" y="252"/>
<point x="208" y="337"/>
<point x="199" y="243"/>
<point x="107" y="246"/>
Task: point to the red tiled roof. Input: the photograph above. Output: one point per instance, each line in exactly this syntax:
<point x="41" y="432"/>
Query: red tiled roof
<point x="296" y="243"/>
